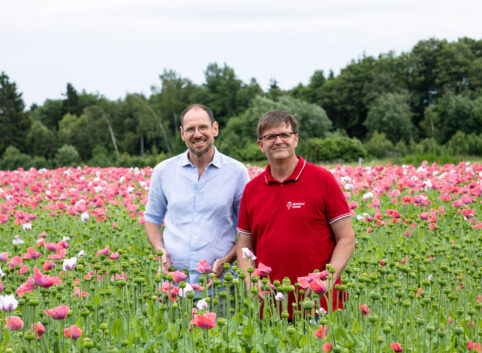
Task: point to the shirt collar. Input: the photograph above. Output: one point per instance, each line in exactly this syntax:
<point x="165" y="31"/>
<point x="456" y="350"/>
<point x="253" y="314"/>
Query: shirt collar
<point x="216" y="161"/>
<point x="294" y="176"/>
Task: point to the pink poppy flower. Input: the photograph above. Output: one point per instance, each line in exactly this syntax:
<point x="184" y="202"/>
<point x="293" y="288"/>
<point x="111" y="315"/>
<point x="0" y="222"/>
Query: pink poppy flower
<point x="39" y="329"/>
<point x="262" y="270"/>
<point x="52" y="247"/>
<point x="23" y="270"/>
<point x="321" y="332"/>
<point x="326" y="347"/>
<point x="58" y="313"/>
<point x="104" y="251"/>
<point x="44" y="281"/>
<point x="206" y="321"/>
<point x="178" y="276"/>
<point x="364" y="309"/>
<point x="61" y="253"/>
<point x="4" y="257"/>
<point x="15" y="261"/>
<point x="78" y="293"/>
<point x="26" y="287"/>
<point x="305" y="281"/>
<point x="13" y="323"/>
<point x="48" y="265"/>
<point x="196" y="286"/>
<point x="203" y="267"/>
<point x="397" y="347"/>
<point x="73" y="332"/>
<point x="323" y="275"/>
<point x="318" y="287"/>
<point x="114" y="256"/>
<point x="473" y="346"/>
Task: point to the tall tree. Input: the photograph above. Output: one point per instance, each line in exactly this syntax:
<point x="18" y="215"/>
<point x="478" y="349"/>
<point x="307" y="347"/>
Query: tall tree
<point x="458" y="113"/>
<point x="14" y="122"/>
<point x="390" y="114"/>
<point x="171" y="98"/>
<point x="220" y="92"/>
<point x="71" y="103"/>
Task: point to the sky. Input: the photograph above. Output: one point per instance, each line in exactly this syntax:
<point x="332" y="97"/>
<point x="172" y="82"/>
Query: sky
<point x="115" y="47"/>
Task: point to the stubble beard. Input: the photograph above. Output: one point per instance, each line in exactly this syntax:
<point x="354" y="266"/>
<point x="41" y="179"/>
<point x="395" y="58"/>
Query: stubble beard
<point x="199" y="154"/>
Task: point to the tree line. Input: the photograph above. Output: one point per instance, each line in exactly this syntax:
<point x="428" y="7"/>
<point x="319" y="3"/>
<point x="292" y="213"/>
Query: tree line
<point x="423" y="100"/>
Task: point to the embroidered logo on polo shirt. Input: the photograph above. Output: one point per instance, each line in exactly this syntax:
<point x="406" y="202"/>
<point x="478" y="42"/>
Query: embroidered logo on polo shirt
<point x="291" y="205"/>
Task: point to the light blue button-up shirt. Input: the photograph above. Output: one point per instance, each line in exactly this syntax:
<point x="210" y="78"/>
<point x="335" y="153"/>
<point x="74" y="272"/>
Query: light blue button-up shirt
<point x="200" y="214"/>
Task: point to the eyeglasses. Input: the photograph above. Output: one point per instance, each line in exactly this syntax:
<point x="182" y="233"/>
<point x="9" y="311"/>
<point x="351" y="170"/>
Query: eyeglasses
<point x="202" y="130"/>
<point x="285" y="136"/>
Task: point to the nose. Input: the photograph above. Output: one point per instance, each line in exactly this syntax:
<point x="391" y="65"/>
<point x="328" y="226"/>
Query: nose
<point x="280" y="139"/>
<point x="197" y="133"/>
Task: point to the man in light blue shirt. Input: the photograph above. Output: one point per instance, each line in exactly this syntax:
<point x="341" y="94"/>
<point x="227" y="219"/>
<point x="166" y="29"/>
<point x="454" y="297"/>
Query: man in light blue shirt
<point x="197" y="196"/>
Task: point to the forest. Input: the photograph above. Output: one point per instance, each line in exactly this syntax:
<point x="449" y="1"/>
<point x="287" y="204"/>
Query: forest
<point x="422" y="104"/>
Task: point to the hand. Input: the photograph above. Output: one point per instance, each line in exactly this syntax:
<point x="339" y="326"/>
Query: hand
<point x="309" y="291"/>
<point x="165" y="260"/>
<point x="218" y="269"/>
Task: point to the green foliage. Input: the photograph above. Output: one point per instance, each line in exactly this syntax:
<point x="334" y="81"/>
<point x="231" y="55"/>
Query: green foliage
<point x="224" y="93"/>
<point x="14" y="123"/>
<point x="71" y="103"/>
<point x="67" y="156"/>
<point x="241" y="131"/>
<point x="249" y="153"/>
<point x="458" y="113"/>
<point x="40" y="141"/>
<point x="378" y="145"/>
<point x="465" y="144"/>
<point x="12" y="159"/>
<point x="333" y="148"/>
<point x="128" y="161"/>
<point x="390" y="114"/>
<point x="172" y="98"/>
<point x="49" y="114"/>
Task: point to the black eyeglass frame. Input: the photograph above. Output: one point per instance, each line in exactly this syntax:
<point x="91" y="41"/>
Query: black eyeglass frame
<point x="272" y="137"/>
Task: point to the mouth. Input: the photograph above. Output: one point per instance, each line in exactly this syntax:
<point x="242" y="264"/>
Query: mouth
<point x="199" y="143"/>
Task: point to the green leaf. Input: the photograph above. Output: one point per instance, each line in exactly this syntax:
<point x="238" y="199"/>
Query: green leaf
<point x="116" y="329"/>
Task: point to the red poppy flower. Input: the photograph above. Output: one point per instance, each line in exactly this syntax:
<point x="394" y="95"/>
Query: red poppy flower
<point x="206" y="321"/>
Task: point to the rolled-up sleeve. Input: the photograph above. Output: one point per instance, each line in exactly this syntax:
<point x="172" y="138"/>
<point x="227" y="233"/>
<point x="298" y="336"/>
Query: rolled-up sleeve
<point x="156" y="201"/>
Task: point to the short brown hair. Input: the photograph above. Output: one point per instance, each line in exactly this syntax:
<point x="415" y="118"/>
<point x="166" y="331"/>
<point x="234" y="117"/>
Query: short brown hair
<point x="274" y="118"/>
<point x="208" y="111"/>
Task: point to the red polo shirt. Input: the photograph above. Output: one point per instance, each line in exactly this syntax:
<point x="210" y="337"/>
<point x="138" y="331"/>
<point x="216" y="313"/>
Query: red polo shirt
<point x="290" y="221"/>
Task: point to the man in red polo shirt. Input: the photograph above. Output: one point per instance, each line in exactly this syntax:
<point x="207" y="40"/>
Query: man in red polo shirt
<point x="294" y="216"/>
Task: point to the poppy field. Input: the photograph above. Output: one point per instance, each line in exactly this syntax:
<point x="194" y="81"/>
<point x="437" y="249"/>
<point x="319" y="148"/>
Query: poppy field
<point x="78" y="275"/>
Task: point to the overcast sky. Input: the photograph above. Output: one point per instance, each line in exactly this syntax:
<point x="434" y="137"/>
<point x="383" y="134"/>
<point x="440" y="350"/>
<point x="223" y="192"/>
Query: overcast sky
<point x="117" y="46"/>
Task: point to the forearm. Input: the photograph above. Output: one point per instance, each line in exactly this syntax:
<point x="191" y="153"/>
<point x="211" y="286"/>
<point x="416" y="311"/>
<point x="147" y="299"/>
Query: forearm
<point x="345" y="244"/>
<point x="244" y="241"/>
<point x="341" y="254"/>
<point x="230" y="255"/>
<point x="154" y="235"/>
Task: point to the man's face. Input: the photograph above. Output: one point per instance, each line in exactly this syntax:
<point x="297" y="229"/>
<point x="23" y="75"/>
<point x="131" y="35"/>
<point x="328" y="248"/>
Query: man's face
<point x="281" y="147"/>
<point x="197" y="132"/>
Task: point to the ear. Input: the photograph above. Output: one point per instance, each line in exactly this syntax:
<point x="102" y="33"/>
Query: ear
<point x="261" y="146"/>
<point x="295" y="141"/>
<point x="182" y="133"/>
<point x="215" y="129"/>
